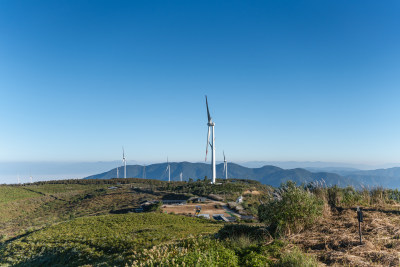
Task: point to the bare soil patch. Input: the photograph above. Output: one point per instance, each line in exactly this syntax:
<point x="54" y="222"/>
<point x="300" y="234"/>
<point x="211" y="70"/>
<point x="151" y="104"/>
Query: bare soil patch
<point x="211" y="208"/>
<point x="251" y="192"/>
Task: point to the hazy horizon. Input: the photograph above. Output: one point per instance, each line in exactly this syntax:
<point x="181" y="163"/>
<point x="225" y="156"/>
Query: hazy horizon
<point x="42" y="171"/>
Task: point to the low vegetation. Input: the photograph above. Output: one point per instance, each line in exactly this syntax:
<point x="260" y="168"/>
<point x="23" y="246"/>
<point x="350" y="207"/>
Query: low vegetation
<point x="291" y="209"/>
<point x="12" y="193"/>
<point x="87" y="222"/>
<point x="110" y="239"/>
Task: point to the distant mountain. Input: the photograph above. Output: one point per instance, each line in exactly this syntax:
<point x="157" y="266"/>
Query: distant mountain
<point x="389" y="178"/>
<point x="269" y="175"/>
<point x="338" y="170"/>
<point x="321" y="165"/>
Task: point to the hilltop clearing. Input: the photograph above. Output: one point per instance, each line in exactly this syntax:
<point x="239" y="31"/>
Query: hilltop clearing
<point x="26" y="208"/>
<point x="123" y="222"/>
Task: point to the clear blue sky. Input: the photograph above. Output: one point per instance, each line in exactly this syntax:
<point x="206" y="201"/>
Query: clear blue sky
<point x="286" y="80"/>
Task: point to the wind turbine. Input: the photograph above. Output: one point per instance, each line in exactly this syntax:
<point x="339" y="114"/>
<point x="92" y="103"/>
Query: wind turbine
<point x="169" y="171"/>
<point x="225" y="166"/>
<point x="124" y="161"/>
<point x="117" y="172"/>
<point x="180" y="176"/>
<point x="211" y="125"/>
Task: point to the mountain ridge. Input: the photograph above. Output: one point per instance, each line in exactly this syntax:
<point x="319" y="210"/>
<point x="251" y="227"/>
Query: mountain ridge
<point x="270" y="175"/>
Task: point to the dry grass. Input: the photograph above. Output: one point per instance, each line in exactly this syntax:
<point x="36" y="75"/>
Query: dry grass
<point x="335" y="240"/>
<point x="251" y="192"/>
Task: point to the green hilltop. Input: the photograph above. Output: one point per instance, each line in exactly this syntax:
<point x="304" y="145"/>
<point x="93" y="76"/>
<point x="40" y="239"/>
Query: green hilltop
<point x="125" y="222"/>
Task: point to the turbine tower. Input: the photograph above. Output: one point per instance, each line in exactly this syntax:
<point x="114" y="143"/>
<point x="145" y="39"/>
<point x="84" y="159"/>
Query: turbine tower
<point x="144" y="171"/>
<point x="225" y="166"/>
<point x="169" y="171"/>
<point x="180" y="176"/>
<point x="117" y="172"/>
<point x="124" y="161"/>
<point x="211" y="125"/>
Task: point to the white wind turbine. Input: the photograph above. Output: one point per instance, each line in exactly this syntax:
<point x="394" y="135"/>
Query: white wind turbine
<point x="212" y="145"/>
<point x="117" y="172"/>
<point x="169" y="171"/>
<point x="180" y="176"/>
<point x="124" y="161"/>
<point x="225" y="166"/>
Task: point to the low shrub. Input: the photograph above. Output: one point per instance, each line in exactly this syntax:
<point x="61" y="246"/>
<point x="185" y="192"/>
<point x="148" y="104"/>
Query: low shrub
<point x="190" y="252"/>
<point x="296" y="258"/>
<point x="231" y="231"/>
<point x="292" y="209"/>
<point x="351" y="197"/>
<point x="256" y="259"/>
<point x="334" y="196"/>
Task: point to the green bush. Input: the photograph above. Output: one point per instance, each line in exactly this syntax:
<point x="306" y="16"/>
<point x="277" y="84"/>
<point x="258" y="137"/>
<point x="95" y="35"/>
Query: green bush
<point x="394" y="195"/>
<point x="292" y="209"/>
<point x="351" y="197"/>
<point x="296" y="258"/>
<point x="190" y="252"/>
<point x="255" y="259"/>
<point x="233" y="231"/>
<point x="334" y="196"/>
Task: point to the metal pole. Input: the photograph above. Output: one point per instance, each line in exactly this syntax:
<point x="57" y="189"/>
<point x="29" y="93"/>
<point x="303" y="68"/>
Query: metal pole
<point x="360" y="219"/>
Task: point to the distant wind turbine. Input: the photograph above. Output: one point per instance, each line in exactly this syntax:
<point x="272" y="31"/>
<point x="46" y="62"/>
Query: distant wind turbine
<point x="180" y="176"/>
<point x="169" y="171"/>
<point x="117" y="172"/>
<point x="225" y="166"/>
<point x="211" y="125"/>
<point x="124" y="161"/>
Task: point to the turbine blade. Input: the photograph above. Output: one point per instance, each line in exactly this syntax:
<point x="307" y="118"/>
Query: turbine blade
<point x="208" y="141"/>
<point x="208" y="112"/>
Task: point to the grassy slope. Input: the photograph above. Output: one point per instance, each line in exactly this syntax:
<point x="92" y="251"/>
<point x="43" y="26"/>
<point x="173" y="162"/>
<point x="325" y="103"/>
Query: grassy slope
<point x="31" y="207"/>
<point x="112" y="239"/>
<point x="42" y="217"/>
<point x="68" y="236"/>
<point x="9" y="194"/>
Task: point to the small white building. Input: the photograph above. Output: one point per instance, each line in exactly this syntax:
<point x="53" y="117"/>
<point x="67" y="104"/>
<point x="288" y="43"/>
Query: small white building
<point x="239" y="199"/>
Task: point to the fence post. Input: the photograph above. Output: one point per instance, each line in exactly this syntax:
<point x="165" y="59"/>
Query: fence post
<point x="360" y="219"/>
